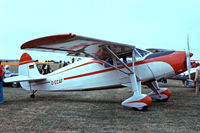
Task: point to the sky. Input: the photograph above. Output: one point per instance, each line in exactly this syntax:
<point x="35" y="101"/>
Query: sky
<point x="143" y="23"/>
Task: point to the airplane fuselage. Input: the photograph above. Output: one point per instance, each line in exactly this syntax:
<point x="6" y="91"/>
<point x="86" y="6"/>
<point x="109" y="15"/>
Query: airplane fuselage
<point x="90" y="74"/>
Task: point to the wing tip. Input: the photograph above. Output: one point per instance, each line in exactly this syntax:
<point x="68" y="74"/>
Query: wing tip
<point x="47" y="40"/>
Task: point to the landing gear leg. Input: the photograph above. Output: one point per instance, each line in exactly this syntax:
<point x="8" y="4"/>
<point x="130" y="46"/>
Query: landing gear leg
<point x="33" y="94"/>
<point x="138" y="101"/>
<point x="158" y="94"/>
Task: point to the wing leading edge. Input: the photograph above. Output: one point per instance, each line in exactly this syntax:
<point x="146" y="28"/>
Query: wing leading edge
<point x="77" y="46"/>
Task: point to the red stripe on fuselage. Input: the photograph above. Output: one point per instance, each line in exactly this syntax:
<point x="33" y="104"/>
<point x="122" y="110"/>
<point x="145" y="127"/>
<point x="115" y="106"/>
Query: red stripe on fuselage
<point x="78" y="66"/>
<point x="88" y="74"/>
<point x="170" y="59"/>
<point x="96" y="72"/>
<point x="165" y="59"/>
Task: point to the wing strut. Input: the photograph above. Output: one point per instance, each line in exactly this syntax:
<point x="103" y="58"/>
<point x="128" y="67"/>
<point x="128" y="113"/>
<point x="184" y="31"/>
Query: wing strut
<point x="102" y="61"/>
<point x="112" y="53"/>
<point x="135" y="83"/>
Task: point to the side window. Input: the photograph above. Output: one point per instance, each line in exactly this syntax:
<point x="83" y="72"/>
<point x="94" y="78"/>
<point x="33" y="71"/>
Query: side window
<point x="123" y="59"/>
<point x="110" y="61"/>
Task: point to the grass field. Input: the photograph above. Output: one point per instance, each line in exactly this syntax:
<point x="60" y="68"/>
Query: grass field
<point x="98" y="111"/>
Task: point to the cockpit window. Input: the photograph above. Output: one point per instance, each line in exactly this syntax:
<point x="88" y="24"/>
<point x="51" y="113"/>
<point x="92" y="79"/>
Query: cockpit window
<point x="109" y="61"/>
<point x="141" y="52"/>
<point x="158" y="54"/>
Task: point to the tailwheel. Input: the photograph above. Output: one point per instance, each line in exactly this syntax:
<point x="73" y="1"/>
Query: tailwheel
<point x="33" y="94"/>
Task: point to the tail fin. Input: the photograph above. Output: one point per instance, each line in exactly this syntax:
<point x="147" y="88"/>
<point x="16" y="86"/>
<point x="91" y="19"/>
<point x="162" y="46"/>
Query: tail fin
<point x="27" y="73"/>
<point x="27" y="66"/>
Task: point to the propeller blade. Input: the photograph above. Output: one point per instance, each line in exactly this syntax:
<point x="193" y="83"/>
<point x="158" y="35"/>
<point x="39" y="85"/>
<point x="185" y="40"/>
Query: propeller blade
<point x="188" y="54"/>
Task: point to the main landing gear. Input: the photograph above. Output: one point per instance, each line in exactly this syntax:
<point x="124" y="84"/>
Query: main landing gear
<point x="158" y="94"/>
<point x="138" y="101"/>
<point x="33" y="94"/>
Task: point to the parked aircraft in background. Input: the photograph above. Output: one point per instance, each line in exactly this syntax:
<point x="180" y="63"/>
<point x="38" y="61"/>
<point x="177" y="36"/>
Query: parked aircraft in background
<point x="10" y="74"/>
<point x="185" y="75"/>
<point x="113" y="65"/>
<point x="17" y="63"/>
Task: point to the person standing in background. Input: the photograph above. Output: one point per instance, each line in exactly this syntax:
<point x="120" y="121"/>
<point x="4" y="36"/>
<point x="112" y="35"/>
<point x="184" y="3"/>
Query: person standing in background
<point x="39" y="69"/>
<point x="48" y="68"/>
<point x="73" y="60"/>
<point x="60" y="64"/>
<point x="44" y="68"/>
<point x="197" y="80"/>
<point x="64" y="64"/>
<point x="2" y="72"/>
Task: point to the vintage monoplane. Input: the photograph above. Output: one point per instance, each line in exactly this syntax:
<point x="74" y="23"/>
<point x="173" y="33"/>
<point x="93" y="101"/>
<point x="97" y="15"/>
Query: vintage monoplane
<point x="112" y="65"/>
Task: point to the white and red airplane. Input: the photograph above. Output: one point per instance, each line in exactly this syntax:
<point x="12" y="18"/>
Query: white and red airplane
<point x="112" y="65"/>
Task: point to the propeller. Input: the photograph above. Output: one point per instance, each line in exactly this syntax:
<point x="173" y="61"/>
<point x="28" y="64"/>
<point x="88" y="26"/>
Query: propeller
<point x="188" y="55"/>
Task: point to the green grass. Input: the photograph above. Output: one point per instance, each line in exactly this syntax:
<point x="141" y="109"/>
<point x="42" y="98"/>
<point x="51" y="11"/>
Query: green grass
<point x="98" y="111"/>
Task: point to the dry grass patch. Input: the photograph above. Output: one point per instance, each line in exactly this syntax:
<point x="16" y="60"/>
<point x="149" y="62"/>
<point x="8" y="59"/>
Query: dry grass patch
<point x="98" y="111"/>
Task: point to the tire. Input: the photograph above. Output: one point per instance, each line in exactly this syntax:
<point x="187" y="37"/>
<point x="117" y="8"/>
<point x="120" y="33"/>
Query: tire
<point x="15" y="84"/>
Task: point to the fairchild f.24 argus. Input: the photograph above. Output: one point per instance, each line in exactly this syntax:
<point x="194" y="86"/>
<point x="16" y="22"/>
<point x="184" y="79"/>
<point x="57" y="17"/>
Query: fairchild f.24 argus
<point x="111" y="65"/>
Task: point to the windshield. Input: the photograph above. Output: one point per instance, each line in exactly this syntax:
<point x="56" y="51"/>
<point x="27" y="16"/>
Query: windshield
<point x="140" y="54"/>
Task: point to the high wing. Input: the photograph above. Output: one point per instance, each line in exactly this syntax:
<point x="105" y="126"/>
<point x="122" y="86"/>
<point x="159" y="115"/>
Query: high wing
<point x="75" y="45"/>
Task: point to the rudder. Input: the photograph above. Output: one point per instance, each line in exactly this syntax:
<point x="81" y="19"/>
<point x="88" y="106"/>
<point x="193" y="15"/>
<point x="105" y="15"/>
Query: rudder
<point x="27" y="67"/>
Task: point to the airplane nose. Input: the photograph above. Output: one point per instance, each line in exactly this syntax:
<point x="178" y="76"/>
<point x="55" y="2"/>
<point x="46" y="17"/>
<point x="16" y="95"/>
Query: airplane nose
<point x="191" y="54"/>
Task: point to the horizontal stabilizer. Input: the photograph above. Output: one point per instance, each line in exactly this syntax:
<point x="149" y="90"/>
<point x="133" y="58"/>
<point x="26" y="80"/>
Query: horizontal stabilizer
<point x="23" y="78"/>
